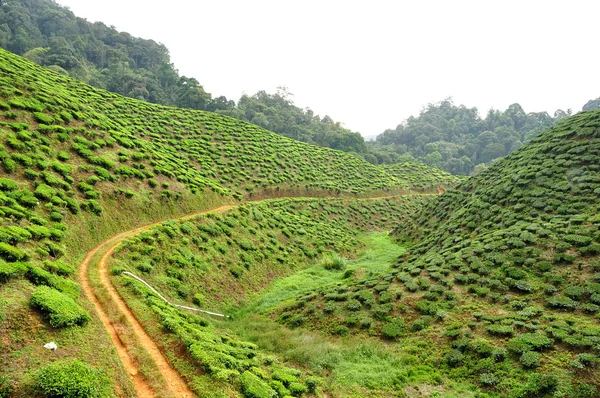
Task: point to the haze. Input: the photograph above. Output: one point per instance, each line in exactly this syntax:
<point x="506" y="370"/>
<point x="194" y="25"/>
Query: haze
<point x="370" y="65"/>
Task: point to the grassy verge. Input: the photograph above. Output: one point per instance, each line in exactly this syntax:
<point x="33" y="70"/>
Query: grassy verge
<point x="381" y="250"/>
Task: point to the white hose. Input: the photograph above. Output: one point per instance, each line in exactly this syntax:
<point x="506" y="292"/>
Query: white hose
<point x="167" y="301"/>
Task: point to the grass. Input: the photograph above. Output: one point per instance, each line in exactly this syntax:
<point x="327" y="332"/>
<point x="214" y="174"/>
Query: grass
<point x="373" y="261"/>
<point x="506" y="262"/>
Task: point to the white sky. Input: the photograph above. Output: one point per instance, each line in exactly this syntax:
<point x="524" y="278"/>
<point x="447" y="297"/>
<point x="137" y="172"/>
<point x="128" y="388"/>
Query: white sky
<point x="372" y="63"/>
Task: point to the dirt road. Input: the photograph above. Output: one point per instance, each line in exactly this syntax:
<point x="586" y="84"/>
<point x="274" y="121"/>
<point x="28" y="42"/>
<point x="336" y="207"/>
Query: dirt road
<point x="175" y="384"/>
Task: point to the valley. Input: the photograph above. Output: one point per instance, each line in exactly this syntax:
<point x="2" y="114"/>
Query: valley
<point x="339" y="277"/>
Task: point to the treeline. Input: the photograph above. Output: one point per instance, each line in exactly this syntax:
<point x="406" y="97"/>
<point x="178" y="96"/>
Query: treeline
<point x="456" y="139"/>
<point x="52" y="36"/>
<point x="277" y="112"/>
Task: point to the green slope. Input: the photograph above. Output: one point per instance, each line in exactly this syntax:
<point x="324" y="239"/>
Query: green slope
<point x="219" y="260"/>
<point x="79" y="164"/>
<point x="502" y="289"/>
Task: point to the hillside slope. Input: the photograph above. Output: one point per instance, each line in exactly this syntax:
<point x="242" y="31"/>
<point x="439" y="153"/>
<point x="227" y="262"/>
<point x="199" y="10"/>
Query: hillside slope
<point x="80" y="164"/>
<point x="504" y="279"/>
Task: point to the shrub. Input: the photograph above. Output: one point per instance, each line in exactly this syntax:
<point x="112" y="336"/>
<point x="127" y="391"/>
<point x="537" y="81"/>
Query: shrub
<point x="561" y="302"/>
<point x="59" y="268"/>
<point x="528" y="342"/>
<point x="297" y="389"/>
<point x="419" y="324"/>
<point x="6" y="184"/>
<point x="72" y="379"/>
<point x="11" y="253"/>
<point x="584" y="391"/>
<point x="11" y="270"/>
<point x="40" y="276"/>
<point x="198" y="299"/>
<point x="488" y="379"/>
<point x="340" y="330"/>
<point x="539" y="385"/>
<point x="44" y="192"/>
<point x="454" y="358"/>
<point x="43" y="118"/>
<point x="254" y="387"/>
<point x="92" y="206"/>
<point x="311" y="384"/>
<point x="393" y="329"/>
<point x="500" y="330"/>
<point x="530" y="359"/>
<point x="499" y="354"/>
<point x="60" y="309"/>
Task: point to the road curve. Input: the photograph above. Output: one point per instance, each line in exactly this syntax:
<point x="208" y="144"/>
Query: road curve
<point x="175" y="383"/>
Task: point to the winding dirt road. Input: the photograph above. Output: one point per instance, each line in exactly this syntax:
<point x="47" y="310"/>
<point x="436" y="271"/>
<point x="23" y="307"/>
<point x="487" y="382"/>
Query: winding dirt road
<point x="175" y="383"/>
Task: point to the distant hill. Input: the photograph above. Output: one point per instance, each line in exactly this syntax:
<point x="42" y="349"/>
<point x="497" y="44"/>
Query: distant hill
<point x="456" y="139"/>
<point x="504" y="276"/>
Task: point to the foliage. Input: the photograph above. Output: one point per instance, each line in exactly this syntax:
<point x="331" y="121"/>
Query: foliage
<point x="72" y="379"/>
<point x="61" y="310"/>
<point x="456" y="139"/>
<point x="277" y="113"/>
<point x="254" y="387"/>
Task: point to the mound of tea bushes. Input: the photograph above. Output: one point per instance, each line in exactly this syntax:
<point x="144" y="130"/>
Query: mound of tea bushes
<point x="505" y="275"/>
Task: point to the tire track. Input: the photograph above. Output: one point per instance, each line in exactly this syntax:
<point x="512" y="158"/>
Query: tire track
<point x="175" y="383"/>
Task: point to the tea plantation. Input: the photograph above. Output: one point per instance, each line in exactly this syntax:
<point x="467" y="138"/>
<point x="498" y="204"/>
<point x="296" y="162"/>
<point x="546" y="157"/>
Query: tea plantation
<point x="493" y="288"/>
<point x="79" y="165"/>
<point x="501" y="289"/>
<point x="220" y="259"/>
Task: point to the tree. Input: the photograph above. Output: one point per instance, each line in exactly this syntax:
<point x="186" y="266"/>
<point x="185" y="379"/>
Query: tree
<point x="592" y="105"/>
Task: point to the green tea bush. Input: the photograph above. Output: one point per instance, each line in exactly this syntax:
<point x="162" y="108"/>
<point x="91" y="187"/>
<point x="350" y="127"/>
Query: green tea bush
<point x="454" y="358"/>
<point x="72" y="379"/>
<point x="60" y="309"/>
<point x="488" y="379"/>
<point x="530" y="359"/>
<point x="6" y="184"/>
<point x="254" y="387"/>
<point x="528" y="342"/>
<point x="11" y="253"/>
<point x="562" y="303"/>
<point x="393" y="329"/>
<point x="11" y="270"/>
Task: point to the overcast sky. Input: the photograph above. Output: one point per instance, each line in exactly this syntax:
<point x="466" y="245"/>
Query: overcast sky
<point x="371" y="64"/>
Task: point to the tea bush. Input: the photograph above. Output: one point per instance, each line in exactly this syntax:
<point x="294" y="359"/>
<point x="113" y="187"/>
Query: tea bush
<point x="60" y="309"/>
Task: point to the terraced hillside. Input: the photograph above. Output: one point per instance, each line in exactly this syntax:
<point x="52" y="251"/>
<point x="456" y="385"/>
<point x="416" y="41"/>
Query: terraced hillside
<point x="144" y="142"/>
<point x="501" y="291"/>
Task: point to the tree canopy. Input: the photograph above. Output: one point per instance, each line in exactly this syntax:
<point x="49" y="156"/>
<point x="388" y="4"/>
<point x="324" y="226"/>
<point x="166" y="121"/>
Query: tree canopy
<point x="456" y="139"/>
<point x="277" y="112"/>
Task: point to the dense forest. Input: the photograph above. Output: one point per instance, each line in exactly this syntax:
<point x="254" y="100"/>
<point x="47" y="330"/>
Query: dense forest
<point x="456" y="139"/>
<point x="277" y="112"/>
